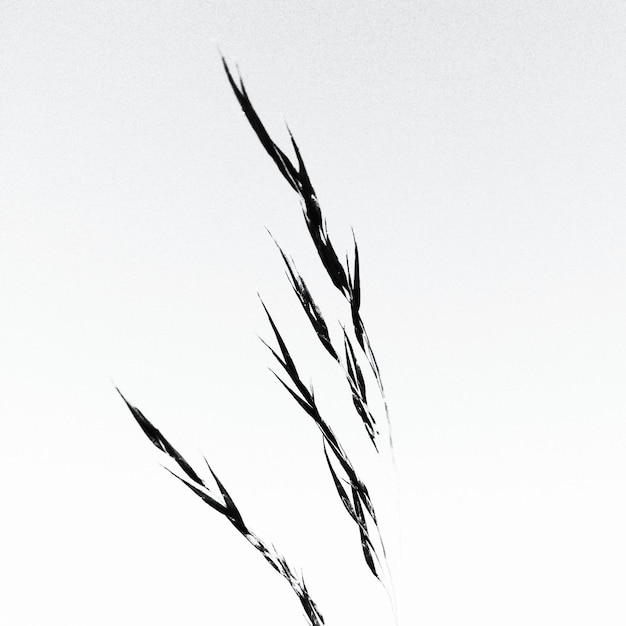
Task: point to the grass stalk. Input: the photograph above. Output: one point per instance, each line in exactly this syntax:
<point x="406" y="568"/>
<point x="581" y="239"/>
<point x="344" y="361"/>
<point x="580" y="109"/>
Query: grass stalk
<point x="350" y="488"/>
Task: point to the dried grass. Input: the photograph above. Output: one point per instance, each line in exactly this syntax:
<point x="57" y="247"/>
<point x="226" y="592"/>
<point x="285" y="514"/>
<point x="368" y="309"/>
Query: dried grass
<point x="346" y="278"/>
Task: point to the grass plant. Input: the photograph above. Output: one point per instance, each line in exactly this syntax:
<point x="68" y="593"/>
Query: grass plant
<point x="348" y="346"/>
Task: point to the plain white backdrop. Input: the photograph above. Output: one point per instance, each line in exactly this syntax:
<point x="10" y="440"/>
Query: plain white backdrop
<point x="478" y="150"/>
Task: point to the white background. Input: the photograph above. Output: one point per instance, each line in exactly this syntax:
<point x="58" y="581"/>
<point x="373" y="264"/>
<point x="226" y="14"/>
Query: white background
<point x="478" y="150"/>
